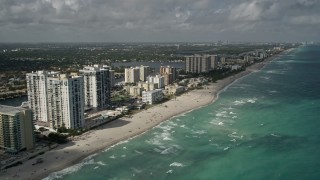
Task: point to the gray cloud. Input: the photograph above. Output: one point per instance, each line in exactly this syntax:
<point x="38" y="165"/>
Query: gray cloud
<point x="159" y="20"/>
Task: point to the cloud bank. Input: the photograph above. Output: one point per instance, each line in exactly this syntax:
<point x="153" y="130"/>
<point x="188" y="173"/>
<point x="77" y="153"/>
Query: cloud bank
<point x="158" y="20"/>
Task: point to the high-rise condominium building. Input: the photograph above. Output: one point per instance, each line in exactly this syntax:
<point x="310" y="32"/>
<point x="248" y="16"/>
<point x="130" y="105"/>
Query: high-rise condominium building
<point x="112" y="78"/>
<point x="171" y="71"/>
<point x="132" y="75"/>
<point x="144" y="72"/>
<point x="37" y="94"/>
<point x="200" y="63"/>
<point x="16" y="129"/>
<point x="97" y="86"/>
<point x="66" y="101"/>
<point x="57" y="99"/>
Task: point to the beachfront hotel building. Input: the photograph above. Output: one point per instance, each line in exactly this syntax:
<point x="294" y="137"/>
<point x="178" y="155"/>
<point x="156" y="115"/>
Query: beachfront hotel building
<point x="56" y="99"/>
<point x="16" y="129"/>
<point x="97" y="86"/>
<point x="158" y="79"/>
<point x="152" y="97"/>
<point x="66" y="101"/>
<point x="200" y="63"/>
<point x="132" y="75"/>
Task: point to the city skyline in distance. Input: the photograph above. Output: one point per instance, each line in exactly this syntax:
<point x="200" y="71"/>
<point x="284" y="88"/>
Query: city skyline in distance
<point x="159" y="21"/>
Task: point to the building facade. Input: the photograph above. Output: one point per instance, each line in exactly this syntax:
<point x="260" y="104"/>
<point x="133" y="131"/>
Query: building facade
<point x="112" y="78"/>
<point x="131" y="75"/>
<point x="66" y="101"/>
<point x="152" y="97"/>
<point x="97" y="86"/>
<point x="170" y="74"/>
<point x="148" y="86"/>
<point x="133" y="90"/>
<point x="200" y="63"/>
<point x="16" y="129"/>
<point x="144" y="72"/>
<point x="56" y="99"/>
<point x="37" y="94"/>
<point x="157" y="79"/>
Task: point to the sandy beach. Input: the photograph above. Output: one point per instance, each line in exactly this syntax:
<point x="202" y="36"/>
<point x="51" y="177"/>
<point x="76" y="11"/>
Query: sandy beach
<point x="121" y="129"/>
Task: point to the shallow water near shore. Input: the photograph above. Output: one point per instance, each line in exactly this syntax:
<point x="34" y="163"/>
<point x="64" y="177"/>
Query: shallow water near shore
<point x="264" y="126"/>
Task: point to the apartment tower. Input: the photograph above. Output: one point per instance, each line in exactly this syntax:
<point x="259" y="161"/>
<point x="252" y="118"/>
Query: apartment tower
<point x="16" y="129"/>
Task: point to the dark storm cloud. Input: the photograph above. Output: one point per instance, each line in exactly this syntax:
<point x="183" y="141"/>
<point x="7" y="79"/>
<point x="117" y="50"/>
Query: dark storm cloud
<point x="159" y="20"/>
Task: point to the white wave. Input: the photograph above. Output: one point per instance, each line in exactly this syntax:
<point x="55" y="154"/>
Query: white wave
<point x="232" y="113"/>
<point x="101" y="163"/>
<point x="157" y="150"/>
<point x="170" y="171"/>
<point x="172" y="123"/>
<point x="123" y="155"/>
<point x="233" y="140"/>
<point x="200" y="132"/>
<point x="121" y="142"/>
<point x="112" y="157"/>
<point x="265" y="77"/>
<point x="138" y="152"/>
<point x="176" y="164"/>
<point x="234" y="117"/>
<point x="136" y="170"/>
<point x="167" y="127"/>
<point x="226" y="148"/>
<point x="275" y="135"/>
<point x="222" y="114"/>
<point x="69" y="170"/>
<point x="96" y="167"/>
<point x="169" y="150"/>
<point x="280" y="71"/>
<point x="237" y="102"/>
<point x="251" y="101"/>
<point x="154" y="141"/>
<point x="234" y="136"/>
<point x="166" y="136"/>
<point x="273" y="91"/>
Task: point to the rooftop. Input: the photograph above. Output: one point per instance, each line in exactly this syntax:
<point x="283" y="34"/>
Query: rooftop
<point x="10" y="110"/>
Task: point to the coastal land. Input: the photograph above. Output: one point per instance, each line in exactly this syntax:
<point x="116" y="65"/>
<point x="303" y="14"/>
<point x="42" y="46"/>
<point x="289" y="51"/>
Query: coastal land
<point x="122" y="129"/>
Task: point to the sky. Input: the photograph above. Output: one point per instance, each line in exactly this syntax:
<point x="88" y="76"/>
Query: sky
<point x="159" y="20"/>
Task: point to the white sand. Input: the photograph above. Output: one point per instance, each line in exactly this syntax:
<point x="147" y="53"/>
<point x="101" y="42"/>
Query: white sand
<point x="118" y="130"/>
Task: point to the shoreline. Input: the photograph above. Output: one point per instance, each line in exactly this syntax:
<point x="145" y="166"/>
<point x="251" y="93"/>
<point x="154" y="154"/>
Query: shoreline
<point x="122" y="129"/>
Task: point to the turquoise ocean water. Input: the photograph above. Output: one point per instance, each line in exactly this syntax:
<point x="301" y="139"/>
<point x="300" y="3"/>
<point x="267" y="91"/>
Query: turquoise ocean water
<point x="264" y="126"/>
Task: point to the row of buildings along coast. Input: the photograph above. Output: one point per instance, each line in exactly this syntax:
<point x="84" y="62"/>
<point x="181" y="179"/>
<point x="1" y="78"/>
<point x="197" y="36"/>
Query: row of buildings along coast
<point x="61" y="99"/>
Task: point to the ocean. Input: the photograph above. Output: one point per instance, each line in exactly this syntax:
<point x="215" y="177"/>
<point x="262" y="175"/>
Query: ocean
<point x="263" y="126"/>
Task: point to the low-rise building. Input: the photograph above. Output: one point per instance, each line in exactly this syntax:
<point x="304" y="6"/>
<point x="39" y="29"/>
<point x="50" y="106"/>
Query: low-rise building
<point x="133" y="90"/>
<point x="174" y="89"/>
<point x="152" y="97"/>
<point x="148" y="86"/>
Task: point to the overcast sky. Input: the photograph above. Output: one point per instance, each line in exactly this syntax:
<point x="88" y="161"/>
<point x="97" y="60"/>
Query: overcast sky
<point x="159" y="20"/>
